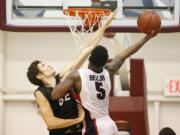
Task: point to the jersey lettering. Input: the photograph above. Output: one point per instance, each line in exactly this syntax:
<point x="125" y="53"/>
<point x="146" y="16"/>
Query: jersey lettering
<point x="96" y="78"/>
<point x="64" y="99"/>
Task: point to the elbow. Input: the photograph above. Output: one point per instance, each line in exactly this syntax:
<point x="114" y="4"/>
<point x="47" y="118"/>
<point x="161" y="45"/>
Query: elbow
<point x="51" y="126"/>
<point x="56" y="125"/>
<point x="52" y="123"/>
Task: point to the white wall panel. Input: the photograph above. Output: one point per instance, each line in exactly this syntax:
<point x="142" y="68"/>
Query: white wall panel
<point x="22" y="118"/>
<point x="169" y="116"/>
<point x="57" y="49"/>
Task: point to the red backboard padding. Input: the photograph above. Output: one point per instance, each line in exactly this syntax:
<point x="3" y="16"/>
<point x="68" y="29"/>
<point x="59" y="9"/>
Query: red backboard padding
<point x="133" y="108"/>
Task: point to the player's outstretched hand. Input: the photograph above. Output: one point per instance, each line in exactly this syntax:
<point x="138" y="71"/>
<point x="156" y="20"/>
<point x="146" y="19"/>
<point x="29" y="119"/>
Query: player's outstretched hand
<point x="110" y="18"/>
<point x="152" y="34"/>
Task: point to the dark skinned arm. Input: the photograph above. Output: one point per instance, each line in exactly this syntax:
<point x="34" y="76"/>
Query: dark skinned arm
<point x="71" y="81"/>
<point x="119" y="59"/>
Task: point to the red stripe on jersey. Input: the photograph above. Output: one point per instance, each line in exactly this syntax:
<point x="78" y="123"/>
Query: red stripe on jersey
<point x="84" y="127"/>
<point x="96" y="127"/>
<point x="76" y="97"/>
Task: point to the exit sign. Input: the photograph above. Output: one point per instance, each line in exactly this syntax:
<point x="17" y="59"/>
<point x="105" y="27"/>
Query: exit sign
<point x="172" y="86"/>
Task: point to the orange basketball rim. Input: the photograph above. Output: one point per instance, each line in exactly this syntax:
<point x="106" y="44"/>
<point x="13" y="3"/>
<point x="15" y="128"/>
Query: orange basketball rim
<point x="91" y="16"/>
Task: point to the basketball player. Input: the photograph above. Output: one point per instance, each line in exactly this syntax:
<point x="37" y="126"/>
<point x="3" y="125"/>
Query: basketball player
<point x="61" y="115"/>
<point x="93" y="85"/>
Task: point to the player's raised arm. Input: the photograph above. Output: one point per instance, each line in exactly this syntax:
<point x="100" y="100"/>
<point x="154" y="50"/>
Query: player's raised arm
<point x="121" y="57"/>
<point x="89" y="44"/>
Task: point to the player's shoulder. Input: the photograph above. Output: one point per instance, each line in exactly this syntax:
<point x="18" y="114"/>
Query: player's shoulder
<point x="74" y="74"/>
<point x="38" y="94"/>
<point x="39" y="97"/>
<point x="109" y="67"/>
<point x="41" y="92"/>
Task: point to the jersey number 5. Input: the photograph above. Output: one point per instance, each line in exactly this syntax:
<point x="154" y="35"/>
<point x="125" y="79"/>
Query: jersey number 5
<point x="102" y="93"/>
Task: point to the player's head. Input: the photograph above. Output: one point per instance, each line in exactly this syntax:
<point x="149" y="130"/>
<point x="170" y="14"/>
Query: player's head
<point x="99" y="56"/>
<point x="167" y="131"/>
<point x="37" y="72"/>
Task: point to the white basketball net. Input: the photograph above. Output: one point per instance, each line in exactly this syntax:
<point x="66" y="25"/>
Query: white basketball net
<point x="78" y="28"/>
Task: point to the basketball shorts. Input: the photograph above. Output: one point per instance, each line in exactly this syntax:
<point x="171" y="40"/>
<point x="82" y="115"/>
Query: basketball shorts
<point x="101" y="126"/>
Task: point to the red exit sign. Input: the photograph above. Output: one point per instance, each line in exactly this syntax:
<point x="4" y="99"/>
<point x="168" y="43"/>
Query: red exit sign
<point x="172" y="86"/>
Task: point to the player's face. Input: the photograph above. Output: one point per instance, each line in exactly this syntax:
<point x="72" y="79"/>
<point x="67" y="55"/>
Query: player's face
<point x="46" y="70"/>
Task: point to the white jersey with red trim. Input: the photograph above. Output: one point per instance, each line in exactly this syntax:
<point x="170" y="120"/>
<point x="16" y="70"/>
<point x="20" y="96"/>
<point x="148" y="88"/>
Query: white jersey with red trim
<point x="95" y="91"/>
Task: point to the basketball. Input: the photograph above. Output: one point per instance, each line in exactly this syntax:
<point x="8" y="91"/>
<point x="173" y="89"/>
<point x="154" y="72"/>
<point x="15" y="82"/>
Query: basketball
<point x="149" y="21"/>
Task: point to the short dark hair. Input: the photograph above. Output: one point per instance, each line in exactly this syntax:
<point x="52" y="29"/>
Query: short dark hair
<point x="167" y="131"/>
<point x="32" y="72"/>
<point x="99" y="56"/>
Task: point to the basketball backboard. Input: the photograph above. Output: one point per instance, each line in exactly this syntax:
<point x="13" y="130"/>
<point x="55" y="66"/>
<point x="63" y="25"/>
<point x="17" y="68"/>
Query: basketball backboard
<point x="47" y="15"/>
